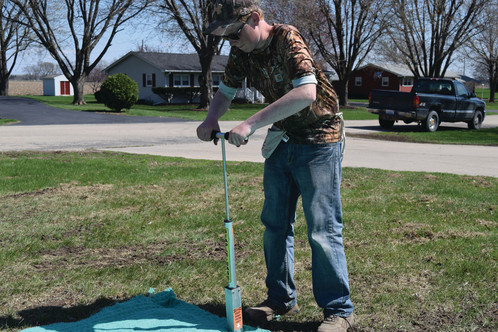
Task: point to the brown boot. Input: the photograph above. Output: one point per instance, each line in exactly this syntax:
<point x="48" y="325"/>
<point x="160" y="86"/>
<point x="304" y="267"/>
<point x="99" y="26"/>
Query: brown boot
<point x="336" y="324"/>
<point x="267" y="311"/>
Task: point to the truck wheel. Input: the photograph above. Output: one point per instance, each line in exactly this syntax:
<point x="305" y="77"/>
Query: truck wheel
<point x="476" y="121"/>
<point x="431" y="122"/>
<point x="386" y="124"/>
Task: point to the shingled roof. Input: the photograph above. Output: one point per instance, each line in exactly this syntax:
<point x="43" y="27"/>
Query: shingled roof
<point x="402" y="70"/>
<point x="175" y="62"/>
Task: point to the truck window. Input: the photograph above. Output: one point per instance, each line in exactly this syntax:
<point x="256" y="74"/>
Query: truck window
<point x="461" y="90"/>
<point x="445" y="88"/>
<point x="434" y="86"/>
<point x="423" y="86"/>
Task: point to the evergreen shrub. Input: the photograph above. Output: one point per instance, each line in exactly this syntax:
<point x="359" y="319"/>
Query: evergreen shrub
<point x="118" y="92"/>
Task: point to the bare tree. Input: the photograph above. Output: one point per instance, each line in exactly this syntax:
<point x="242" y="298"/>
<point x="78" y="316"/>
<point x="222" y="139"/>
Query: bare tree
<point x="428" y="32"/>
<point x="192" y="17"/>
<point x="41" y="69"/>
<point x="353" y="28"/>
<point x="483" y="48"/>
<point x="14" y="38"/>
<point x="343" y="32"/>
<point x="97" y="76"/>
<point x="79" y="25"/>
<point x="304" y="15"/>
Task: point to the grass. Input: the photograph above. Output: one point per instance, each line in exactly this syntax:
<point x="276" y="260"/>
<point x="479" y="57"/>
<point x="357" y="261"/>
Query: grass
<point x="444" y="135"/>
<point x="238" y="112"/>
<point x="484" y="95"/>
<point x="7" y="121"/>
<point x="83" y="230"/>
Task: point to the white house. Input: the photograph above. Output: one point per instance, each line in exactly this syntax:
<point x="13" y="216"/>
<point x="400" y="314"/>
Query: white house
<point x="57" y="85"/>
<point x="151" y="69"/>
<point x="170" y="70"/>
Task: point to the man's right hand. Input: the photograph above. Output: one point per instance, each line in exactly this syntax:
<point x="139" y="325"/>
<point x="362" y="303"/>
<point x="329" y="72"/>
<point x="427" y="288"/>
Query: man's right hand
<point x="205" y="130"/>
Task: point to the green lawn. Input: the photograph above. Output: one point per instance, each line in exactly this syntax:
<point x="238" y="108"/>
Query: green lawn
<point x="80" y="231"/>
<point x="444" y="135"/>
<point x="238" y="112"/>
<point x="484" y="95"/>
<point x="6" y="121"/>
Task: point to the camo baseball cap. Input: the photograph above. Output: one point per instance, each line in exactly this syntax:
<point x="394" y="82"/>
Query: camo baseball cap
<point x="230" y="15"/>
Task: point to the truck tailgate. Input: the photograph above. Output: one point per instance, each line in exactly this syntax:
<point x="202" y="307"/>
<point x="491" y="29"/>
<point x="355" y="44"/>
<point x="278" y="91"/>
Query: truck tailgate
<point x="395" y="100"/>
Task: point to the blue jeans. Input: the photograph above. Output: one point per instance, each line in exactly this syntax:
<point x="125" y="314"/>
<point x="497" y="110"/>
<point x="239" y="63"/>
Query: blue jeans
<point x="313" y="172"/>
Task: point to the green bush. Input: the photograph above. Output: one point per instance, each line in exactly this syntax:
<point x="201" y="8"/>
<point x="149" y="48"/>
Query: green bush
<point x="119" y="92"/>
<point x="98" y="96"/>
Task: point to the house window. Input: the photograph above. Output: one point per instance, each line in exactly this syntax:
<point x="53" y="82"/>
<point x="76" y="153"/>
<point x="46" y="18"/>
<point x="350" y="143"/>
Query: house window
<point x="385" y="81"/>
<point x="148" y="80"/>
<point x="217" y="78"/>
<point x="407" y="81"/>
<point x="358" y="81"/>
<point x="180" y="80"/>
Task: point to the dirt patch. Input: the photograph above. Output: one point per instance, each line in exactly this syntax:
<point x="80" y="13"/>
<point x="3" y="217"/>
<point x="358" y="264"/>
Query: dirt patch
<point x="421" y="233"/>
<point x="32" y="193"/>
<point x="76" y="257"/>
<point x="480" y="181"/>
<point x="65" y="188"/>
<point x="434" y="320"/>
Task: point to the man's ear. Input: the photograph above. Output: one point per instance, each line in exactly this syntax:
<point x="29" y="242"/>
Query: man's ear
<point x="255" y="17"/>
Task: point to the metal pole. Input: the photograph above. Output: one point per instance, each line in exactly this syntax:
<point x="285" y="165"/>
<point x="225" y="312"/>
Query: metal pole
<point x="233" y="302"/>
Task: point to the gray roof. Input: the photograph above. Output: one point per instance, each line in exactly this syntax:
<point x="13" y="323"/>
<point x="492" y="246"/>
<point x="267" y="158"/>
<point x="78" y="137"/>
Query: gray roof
<point x="175" y="62"/>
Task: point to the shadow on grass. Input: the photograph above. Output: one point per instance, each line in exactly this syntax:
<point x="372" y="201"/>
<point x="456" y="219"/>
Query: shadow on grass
<point x="46" y="315"/>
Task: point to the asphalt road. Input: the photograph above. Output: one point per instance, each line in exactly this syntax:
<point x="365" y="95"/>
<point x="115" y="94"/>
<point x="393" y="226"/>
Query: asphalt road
<point x="43" y="128"/>
<point x="30" y="112"/>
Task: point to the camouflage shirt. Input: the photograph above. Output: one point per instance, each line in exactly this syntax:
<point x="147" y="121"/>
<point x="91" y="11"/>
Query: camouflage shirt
<point x="272" y="69"/>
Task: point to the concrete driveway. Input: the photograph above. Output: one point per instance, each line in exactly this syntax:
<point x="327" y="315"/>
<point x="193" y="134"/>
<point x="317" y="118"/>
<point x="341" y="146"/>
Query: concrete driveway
<point x="169" y="137"/>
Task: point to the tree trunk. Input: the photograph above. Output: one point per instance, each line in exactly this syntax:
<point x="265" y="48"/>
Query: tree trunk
<point x="4" y="85"/>
<point x="493" y="81"/>
<point x="205" y="79"/>
<point x="4" y="74"/>
<point x="492" y="90"/>
<point x="79" y="90"/>
<point x="342" y="92"/>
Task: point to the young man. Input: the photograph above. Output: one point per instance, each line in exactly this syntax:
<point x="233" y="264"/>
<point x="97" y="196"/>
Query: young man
<point x="306" y="159"/>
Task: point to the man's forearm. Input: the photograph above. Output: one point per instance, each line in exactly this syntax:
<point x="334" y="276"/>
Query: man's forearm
<point x="219" y="106"/>
<point x="291" y="103"/>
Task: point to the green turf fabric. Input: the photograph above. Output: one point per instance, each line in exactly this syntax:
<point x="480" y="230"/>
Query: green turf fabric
<point x="158" y="312"/>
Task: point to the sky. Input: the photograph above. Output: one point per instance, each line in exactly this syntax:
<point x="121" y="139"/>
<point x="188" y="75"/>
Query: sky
<point x="125" y="41"/>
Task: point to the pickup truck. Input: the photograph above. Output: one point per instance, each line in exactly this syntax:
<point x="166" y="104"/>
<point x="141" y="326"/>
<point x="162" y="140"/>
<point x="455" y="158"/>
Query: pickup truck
<point x="430" y="102"/>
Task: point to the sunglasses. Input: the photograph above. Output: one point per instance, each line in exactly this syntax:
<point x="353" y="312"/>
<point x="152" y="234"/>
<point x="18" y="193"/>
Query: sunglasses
<point x="235" y="35"/>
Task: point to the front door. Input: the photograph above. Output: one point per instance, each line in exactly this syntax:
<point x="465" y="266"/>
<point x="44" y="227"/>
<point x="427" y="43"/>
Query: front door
<point x="65" y="88"/>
